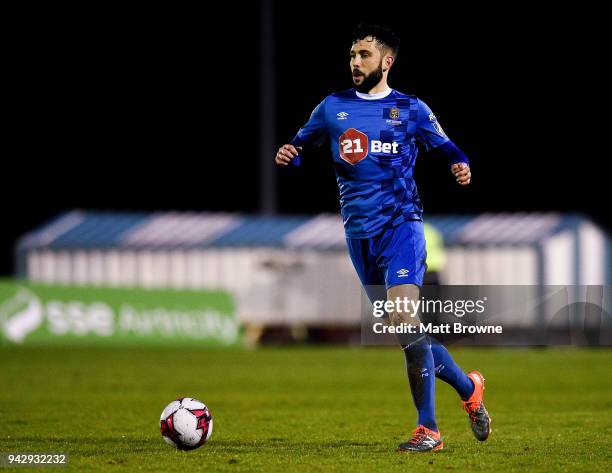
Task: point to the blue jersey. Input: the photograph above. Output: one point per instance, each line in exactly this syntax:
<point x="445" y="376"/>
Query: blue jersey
<point x="374" y="147"/>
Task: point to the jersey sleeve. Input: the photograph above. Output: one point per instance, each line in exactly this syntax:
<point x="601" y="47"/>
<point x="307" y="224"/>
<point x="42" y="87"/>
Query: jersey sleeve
<point x="429" y="133"/>
<point x="313" y="132"/>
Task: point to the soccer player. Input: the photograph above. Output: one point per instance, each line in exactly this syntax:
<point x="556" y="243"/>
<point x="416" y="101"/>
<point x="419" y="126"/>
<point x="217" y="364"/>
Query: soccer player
<point x="374" y="132"/>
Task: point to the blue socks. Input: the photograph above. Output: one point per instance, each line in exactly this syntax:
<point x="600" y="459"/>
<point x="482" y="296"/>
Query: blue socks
<point x="425" y="360"/>
<point x="421" y="375"/>
<point x="448" y="371"/>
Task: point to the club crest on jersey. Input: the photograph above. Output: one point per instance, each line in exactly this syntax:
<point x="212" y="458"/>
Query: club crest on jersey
<point x="392" y="115"/>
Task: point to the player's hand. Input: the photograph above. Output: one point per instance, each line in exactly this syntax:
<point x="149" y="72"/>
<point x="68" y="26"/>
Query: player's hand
<point x="285" y="154"/>
<point x="462" y="173"/>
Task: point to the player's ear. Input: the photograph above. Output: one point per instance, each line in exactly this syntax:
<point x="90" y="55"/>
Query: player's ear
<point x="388" y="62"/>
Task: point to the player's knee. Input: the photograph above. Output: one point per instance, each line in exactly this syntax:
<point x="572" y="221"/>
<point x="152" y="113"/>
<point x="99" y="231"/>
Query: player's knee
<point x="401" y="318"/>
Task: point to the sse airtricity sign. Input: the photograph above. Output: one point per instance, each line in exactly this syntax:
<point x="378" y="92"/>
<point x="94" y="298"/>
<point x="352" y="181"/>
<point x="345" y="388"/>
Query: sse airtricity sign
<point x="33" y="313"/>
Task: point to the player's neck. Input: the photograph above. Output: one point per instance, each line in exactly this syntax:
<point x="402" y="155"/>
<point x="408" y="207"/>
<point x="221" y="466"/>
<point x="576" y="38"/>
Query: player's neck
<point x="380" y="87"/>
<point x="378" y="92"/>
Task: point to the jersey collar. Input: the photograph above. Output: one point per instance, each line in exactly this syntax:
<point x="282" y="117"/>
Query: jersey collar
<point x="379" y="95"/>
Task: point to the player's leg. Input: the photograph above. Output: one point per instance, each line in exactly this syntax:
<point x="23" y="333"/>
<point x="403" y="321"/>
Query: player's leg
<point x="449" y="371"/>
<point x="470" y="388"/>
<point x="446" y="368"/>
<point x="419" y="359"/>
<point x="364" y="262"/>
<point x="406" y="264"/>
<point x="371" y="259"/>
<point x="401" y="252"/>
<point x="420" y="370"/>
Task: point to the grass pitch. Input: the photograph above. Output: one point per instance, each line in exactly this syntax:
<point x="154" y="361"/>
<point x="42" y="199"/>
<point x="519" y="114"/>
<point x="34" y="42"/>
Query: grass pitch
<point x="303" y="409"/>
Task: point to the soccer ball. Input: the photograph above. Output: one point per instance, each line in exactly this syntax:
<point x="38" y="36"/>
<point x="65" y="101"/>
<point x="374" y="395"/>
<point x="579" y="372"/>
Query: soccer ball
<point x="186" y="423"/>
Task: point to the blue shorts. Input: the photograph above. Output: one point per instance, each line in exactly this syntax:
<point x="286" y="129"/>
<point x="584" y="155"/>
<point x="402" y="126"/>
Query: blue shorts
<point x="393" y="257"/>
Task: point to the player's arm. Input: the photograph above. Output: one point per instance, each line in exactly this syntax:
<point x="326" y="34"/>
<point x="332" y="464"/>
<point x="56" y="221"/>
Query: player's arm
<point x="313" y="132"/>
<point x="432" y="137"/>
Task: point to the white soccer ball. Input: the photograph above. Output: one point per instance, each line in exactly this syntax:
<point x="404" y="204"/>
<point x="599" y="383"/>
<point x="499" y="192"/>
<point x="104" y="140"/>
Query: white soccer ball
<point x="186" y="423"/>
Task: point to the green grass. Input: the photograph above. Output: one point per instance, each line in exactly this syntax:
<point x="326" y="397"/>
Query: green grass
<point x="303" y="409"/>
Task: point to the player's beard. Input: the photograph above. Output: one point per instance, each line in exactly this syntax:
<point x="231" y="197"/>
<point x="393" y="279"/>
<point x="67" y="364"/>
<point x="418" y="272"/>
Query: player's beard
<point x="371" y="80"/>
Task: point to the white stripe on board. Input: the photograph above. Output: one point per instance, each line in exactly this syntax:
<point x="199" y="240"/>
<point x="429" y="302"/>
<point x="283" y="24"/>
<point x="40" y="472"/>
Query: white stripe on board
<point x="181" y="229"/>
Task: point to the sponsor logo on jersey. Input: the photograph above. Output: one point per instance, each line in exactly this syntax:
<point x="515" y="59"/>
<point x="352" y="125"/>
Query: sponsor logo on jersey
<point x="354" y="146"/>
<point x="394" y="122"/>
<point x="342" y="115"/>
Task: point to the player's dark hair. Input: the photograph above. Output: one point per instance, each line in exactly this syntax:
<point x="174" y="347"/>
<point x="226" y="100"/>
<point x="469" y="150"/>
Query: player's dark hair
<point x="381" y="34"/>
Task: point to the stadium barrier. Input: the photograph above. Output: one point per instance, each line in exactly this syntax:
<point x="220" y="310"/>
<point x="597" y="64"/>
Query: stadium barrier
<point x="295" y="271"/>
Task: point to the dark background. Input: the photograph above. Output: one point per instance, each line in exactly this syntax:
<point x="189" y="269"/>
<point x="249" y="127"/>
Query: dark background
<point x="153" y="110"/>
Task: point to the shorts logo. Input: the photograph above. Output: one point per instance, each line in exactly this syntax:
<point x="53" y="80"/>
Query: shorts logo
<point x="402" y="273"/>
